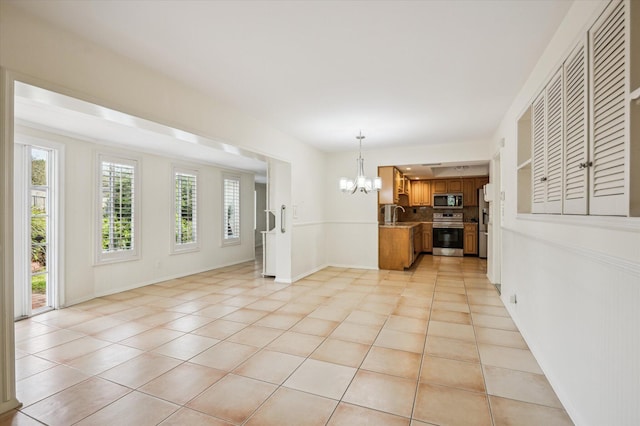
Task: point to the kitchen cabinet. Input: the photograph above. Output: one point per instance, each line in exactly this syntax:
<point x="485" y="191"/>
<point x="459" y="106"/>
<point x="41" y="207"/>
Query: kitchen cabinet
<point x="387" y="194"/>
<point x="416" y="193"/>
<point x="445" y="186"/>
<point x="401" y="181"/>
<point x="470" y="236"/>
<point x="420" y="193"/>
<point x="417" y="242"/>
<point x="427" y="241"/>
<point x="454" y="185"/>
<point x="467" y="186"/>
<point x="395" y="186"/>
<point x="439" y="186"/>
<point x="469" y="193"/>
<point x="396" y="246"/>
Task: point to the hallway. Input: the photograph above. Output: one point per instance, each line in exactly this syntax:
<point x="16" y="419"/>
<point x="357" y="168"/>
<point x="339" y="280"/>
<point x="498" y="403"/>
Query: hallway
<point x="429" y="346"/>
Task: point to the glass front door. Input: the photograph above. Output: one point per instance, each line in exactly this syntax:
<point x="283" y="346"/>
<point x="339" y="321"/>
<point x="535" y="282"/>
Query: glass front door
<point x="40" y="226"/>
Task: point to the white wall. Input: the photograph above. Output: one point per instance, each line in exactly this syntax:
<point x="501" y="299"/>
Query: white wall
<point x="45" y="55"/>
<point x="577" y="279"/>
<point x="40" y="54"/>
<point x="84" y="279"/>
<point x="352" y="220"/>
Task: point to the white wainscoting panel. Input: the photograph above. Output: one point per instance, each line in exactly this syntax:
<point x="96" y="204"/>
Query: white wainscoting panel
<point x="579" y="311"/>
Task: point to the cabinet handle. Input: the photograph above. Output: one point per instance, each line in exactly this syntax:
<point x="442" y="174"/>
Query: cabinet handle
<point x="585" y="165"/>
<point x="543" y="179"/>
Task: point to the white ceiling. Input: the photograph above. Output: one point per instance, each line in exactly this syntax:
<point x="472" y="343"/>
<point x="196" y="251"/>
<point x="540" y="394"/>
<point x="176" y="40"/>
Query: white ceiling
<point x="404" y="72"/>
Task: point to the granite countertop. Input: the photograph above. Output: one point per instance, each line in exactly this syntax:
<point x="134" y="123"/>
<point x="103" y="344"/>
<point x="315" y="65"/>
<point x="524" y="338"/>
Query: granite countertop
<point x="401" y="225"/>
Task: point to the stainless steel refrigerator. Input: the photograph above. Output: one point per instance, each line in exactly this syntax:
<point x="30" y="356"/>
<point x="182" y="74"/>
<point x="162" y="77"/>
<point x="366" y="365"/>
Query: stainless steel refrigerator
<point x="483" y="223"/>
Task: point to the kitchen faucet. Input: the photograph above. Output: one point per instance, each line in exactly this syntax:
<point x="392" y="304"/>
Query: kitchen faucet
<point x="395" y="214"/>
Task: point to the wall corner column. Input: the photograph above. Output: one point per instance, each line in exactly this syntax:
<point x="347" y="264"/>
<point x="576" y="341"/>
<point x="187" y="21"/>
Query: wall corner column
<point x="8" y="400"/>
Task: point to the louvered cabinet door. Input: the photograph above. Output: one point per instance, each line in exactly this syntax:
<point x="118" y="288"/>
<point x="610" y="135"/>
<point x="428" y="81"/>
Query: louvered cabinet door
<point x="538" y="166"/>
<point x="553" y="154"/>
<point x="609" y="115"/>
<point x="575" y="190"/>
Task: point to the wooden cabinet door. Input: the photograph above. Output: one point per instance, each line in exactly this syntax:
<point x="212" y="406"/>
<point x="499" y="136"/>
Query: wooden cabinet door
<point x="398" y="188"/>
<point x="454" y="185"/>
<point x="386" y="194"/>
<point x="469" y="193"/>
<point x="416" y="193"/>
<point x="439" y="186"/>
<point x="470" y="238"/>
<point x="417" y="241"/>
<point x="427" y="241"/>
<point x="426" y="192"/>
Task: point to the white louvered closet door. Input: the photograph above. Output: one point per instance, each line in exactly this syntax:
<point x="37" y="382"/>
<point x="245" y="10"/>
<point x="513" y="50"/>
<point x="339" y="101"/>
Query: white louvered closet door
<point x="609" y="131"/>
<point x="576" y="146"/>
<point x="553" y="154"/>
<point x="538" y="166"/>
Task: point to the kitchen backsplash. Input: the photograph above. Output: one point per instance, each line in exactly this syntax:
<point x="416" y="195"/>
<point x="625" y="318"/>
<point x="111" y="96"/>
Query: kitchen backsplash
<point x="425" y="214"/>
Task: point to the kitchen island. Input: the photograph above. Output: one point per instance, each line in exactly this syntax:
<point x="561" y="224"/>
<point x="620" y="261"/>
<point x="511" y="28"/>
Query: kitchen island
<point x="399" y="245"/>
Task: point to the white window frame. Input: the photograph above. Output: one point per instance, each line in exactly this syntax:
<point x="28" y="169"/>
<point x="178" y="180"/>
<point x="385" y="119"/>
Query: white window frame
<point x="102" y="257"/>
<point x="22" y="253"/>
<point x="194" y="245"/>
<point x="227" y="241"/>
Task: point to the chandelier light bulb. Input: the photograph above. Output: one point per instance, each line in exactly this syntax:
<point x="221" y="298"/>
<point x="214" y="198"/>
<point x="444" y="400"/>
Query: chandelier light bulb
<point x="361" y="183"/>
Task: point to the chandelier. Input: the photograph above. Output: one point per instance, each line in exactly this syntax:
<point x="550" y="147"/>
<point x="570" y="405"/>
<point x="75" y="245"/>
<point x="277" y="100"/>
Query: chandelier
<point x="361" y="182"/>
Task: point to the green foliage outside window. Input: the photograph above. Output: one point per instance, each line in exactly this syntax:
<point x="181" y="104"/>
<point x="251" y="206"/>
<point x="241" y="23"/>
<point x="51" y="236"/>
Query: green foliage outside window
<point x="117" y="210"/>
<point x="185" y="208"/>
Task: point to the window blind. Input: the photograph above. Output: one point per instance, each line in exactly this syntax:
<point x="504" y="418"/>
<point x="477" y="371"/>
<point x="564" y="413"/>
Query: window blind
<point x="231" y="194"/>
<point x="118" y="192"/>
<point x="186" y="208"/>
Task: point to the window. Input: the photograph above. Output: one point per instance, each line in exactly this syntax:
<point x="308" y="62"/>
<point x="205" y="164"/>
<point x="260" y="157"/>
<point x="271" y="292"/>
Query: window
<point x="117" y="209"/>
<point x="185" y="195"/>
<point x="231" y="212"/>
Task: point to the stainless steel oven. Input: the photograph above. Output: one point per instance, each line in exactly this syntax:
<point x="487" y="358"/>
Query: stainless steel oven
<point x="448" y="234"/>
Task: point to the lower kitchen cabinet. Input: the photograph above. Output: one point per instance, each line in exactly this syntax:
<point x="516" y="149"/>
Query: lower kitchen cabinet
<point x="396" y="246"/>
<point x="427" y="237"/>
<point x="470" y="238"/>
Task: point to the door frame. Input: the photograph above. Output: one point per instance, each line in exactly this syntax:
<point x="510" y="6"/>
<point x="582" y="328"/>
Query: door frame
<point x="8" y="400"/>
<point x="26" y="138"/>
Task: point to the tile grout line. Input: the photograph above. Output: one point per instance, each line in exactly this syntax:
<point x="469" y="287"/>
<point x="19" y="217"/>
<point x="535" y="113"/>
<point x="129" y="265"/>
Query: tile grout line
<point x="424" y="345"/>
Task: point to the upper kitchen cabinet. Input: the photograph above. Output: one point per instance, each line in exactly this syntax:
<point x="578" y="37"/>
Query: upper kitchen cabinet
<point x="395" y="187"/>
<point x="579" y="141"/>
<point x="444" y="186"/>
<point x="469" y="193"/>
<point x="439" y="186"/>
<point x="422" y="190"/>
<point x="454" y="185"/>
<point x="420" y="193"/>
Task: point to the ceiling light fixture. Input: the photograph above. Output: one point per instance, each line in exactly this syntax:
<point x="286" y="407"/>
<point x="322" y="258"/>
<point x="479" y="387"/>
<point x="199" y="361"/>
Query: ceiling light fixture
<point x="361" y="182"/>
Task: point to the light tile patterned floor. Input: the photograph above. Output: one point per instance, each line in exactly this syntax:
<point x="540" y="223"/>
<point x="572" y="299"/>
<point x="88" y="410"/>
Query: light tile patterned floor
<point x="429" y="346"/>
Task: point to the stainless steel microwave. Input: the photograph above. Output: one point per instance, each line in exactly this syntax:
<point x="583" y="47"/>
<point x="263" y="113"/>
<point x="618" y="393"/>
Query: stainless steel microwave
<point x="447" y="201"/>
